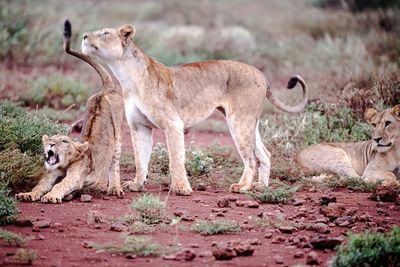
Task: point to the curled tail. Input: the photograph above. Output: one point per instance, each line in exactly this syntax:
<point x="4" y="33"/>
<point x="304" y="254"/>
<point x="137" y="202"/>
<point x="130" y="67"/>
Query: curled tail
<point x="291" y="84"/>
<point x="106" y="78"/>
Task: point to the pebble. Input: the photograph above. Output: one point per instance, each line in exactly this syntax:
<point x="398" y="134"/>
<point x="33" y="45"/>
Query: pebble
<point x="86" y="198"/>
<point x="223" y="202"/>
<point x="312" y="258"/>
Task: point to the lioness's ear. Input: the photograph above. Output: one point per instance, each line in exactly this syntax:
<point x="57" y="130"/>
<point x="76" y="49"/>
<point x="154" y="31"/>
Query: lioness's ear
<point x="370" y="114"/>
<point x="396" y="111"/>
<point x="81" y="147"/>
<point x="126" y="32"/>
<point x="45" y="139"/>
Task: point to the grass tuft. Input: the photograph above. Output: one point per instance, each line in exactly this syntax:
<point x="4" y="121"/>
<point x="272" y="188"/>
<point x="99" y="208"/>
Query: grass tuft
<point x="8" y="206"/>
<point x="149" y="208"/>
<point x="11" y="239"/>
<point x="281" y="194"/>
<point x="24" y="256"/>
<point x="216" y="227"/>
<point x="139" y="246"/>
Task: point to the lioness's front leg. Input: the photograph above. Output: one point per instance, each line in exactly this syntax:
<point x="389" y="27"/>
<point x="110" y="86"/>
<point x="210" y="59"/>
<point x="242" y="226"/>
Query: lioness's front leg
<point x="176" y="151"/>
<point x="142" y="141"/>
<point x="379" y="170"/>
<point x="72" y="181"/>
<point x="44" y="186"/>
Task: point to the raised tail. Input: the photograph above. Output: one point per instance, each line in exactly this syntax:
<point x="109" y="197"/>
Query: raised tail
<point x="106" y="78"/>
<point x="291" y="84"/>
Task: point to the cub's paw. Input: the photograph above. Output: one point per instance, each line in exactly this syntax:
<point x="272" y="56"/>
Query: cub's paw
<point x="51" y="198"/>
<point x="28" y="197"/>
<point x="115" y="190"/>
<point x="238" y="188"/>
<point x="133" y="186"/>
<point x="181" y="189"/>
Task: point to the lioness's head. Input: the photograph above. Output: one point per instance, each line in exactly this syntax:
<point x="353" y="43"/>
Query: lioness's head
<point x="386" y="126"/>
<point x="108" y="44"/>
<point x="60" y="150"/>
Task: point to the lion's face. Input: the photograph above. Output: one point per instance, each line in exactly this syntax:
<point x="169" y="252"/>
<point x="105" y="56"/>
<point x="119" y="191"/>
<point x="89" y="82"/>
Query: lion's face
<point x="108" y="44"/>
<point x="60" y="150"/>
<point x="386" y="126"/>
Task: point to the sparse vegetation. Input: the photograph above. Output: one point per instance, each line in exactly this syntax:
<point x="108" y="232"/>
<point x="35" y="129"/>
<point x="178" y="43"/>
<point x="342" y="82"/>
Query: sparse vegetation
<point x="24" y="256"/>
<point x="370" y="249"/>
<point x="216" y="227"/>
<point x="351" y="183"/>
<point x="281" y="194"/>
<point x="11" y="239"/>
<point x="8" y="206"/>
<point x="149" y="208"/>
<point x="136" y="245"/>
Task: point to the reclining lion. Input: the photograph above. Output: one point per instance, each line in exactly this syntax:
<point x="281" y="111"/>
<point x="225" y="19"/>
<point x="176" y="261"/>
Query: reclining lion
<point x="176" y="98"/>
<point x="93" y="161"/>
<point x="374" y="160"/>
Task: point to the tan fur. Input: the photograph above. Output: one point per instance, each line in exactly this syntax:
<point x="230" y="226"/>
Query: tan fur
<point x="177" y="98"/>
<point x="94" y="160"/>
<point x="374" y="160"/>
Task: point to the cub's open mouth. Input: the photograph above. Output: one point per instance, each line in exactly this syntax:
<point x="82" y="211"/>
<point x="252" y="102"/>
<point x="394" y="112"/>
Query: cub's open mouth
<point x="387" y="145"/>
<point x="52" y="158"/>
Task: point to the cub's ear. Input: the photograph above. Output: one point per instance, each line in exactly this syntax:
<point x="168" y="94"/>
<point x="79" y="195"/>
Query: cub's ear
<point x="126" y="32"/>
<point x="81" y="147"/>
<point x="370" y="115"/>
<point x="45" y="139"/>
<point x="396" y="111"/>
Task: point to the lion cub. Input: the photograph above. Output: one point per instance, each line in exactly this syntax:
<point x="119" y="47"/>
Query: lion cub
<point x="374" y="160"/>
<point x="93" y="161"/>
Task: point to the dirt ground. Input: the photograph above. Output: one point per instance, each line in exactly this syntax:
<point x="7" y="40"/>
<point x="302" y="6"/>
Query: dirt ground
<point x="64" y="241"/>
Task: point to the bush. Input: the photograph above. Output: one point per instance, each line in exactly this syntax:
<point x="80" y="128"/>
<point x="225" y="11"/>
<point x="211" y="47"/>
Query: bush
<point x="21" y="162"/>
<point x="24" y="256"/>
<point x="216" y="227"/>
<point x="150" y="208"/>
<point x="370" y="249"/>
<point x="352" y="183"/>
<point x="267" y="194"/>
<point x="12" y="239"/>
<point x="139" y="246"/>
<point x="8" y="206"/>
<point x="56" y="91"/>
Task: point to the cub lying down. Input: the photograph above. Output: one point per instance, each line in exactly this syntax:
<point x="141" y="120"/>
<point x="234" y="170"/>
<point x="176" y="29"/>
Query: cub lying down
<point x="93" y="161"/>
<point x="374" y="160"/>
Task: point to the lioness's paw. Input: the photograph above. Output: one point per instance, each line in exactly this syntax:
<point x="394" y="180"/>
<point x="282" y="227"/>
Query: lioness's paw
<point x="50" y="198"/>
<point x="115" y="190"/>
<point x="30" y="196"/>
<point x="133" y="186"/>
<point x="181" y="189"/>
<point x="238" y="188"/>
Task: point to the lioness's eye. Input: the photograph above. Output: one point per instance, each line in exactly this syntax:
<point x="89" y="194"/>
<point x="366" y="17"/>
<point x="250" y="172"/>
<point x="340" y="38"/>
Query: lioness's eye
<point x="64" y="141"/>
<point x="387" y="123"/>
<point x="105" y="33"/>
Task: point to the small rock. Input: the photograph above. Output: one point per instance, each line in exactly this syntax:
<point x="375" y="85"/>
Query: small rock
<point x="382" y="212"/>
<point x="254" y="242"/>
<point x="287" y="229"/>
<point x="333" y="211"/>
<point x="86" y="198"/>
<point x="278" y="240"/>
<point x="117" y="227"/>
<point x="201" y="187"/>
<point x="184" y="215"/>
<point x="321" y="228"/>
<point x="344" y="221"/>
<point x="223" y="202"/>
<point x="312" y="258"/>
<point x="324" y="242"/>
<point x="298" y="202"/>
<point x="40" y="237"/>
<point x="57" y="225"/>
<point x="68" y="197"/>
<point x="232" y="198"/>
<point x="251" y="204"/>
<point x="130" y="256"/>
<point x="242" y="248"/>
<point x="240" y="203"/>
<point x="184" y="255"/>
<point x="109" y="198"/>
<point x="268" y="235"/>
<point x="42" y="224"/>
<point x="23" y="222"/>
<point x="278" y="259"/>
<point x="325" y="200"/>
<point x="365" y="218"/>
<point x="299" y="255"/>
<point x="221" y="251"/>
<point x="219" y="210"/>
<point x="385" y="193"/>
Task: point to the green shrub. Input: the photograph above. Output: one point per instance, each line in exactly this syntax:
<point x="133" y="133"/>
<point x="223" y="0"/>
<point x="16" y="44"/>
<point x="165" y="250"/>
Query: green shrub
<point x="280" y="194"/>
<point x="21" y="162"/>
<point x="56" y="91"/>
<point x="150" y="208"/>
<point x="351" y="183"/>
<point x="8" y="206"/>
<point x="198" y="162"/>
<point x="370" y="249"/>
<point x="216" y="227"/>
<point x="136" y="245"/>
<point x="11" y="239"/>
<point x="24" y="256"/>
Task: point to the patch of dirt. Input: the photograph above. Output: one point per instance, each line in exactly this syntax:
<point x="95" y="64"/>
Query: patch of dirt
<point x="73" y="225"/>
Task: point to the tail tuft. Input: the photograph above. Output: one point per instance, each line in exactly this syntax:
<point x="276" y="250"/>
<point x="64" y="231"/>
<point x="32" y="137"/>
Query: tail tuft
<point x="292" y="82"/>
<point x="67" y="29"/>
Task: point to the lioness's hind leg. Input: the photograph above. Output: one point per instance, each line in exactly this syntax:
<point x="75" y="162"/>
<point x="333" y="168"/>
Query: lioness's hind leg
<point x="242" y="130"/>
<point x="264" y="157"/>
<point x="114" y="182"/>
<point x="325" y="158"/>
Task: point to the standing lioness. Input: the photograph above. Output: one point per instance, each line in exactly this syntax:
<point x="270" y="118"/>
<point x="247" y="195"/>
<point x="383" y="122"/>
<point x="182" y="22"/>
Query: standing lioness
<point x="175" y="98"/>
